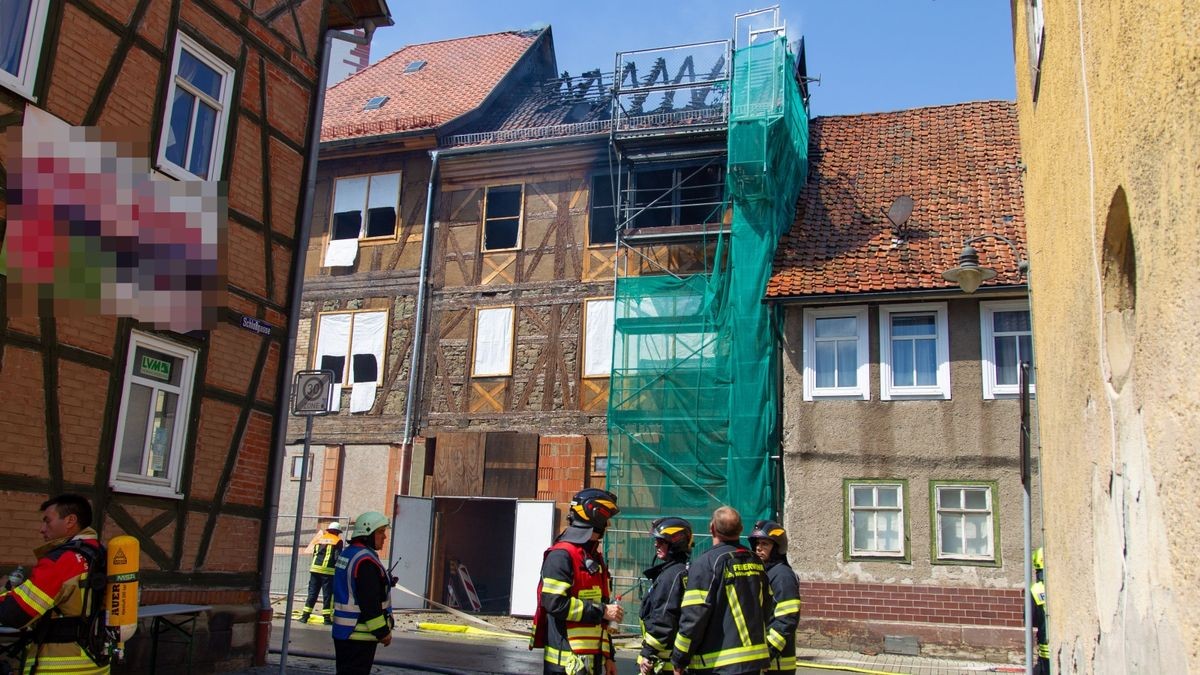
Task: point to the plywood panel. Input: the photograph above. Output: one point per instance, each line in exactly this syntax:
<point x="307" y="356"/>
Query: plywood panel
<point x="510" y="465"/>
<point x="458" y="464"/>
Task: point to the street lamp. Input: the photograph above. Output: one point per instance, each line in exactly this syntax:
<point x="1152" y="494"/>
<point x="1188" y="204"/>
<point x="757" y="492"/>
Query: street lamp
<point x="968" y="275"/>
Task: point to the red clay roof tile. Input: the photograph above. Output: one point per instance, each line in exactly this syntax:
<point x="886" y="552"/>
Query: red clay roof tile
<point x="457" y="76"/>
<point x="960" y="164"/>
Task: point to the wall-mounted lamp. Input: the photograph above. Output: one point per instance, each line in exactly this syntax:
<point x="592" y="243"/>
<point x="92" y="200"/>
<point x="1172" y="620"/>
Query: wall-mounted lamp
<point x="969" y="274"/>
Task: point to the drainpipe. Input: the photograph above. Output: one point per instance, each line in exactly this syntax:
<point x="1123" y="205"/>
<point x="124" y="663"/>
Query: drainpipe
<point x="275" y="467"/>
<point x="415" y="368"/>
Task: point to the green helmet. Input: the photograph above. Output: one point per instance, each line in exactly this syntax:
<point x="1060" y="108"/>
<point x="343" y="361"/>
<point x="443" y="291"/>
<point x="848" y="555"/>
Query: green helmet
<point x="367" y="523"/>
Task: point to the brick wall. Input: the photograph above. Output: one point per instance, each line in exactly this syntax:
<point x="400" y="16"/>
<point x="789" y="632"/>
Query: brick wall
<point x="562" y="469"/>
<point x="902" y="602"/>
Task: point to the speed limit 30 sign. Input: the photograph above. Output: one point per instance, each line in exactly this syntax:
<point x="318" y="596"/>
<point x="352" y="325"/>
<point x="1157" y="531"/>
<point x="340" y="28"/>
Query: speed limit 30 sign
<point x="312" y="392"/>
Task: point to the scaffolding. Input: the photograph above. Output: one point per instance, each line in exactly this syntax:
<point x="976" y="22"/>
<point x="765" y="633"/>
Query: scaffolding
<point x="693" y="403"/>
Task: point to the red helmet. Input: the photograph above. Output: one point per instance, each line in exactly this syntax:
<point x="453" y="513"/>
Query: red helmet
<point x="677" y="532"/>
<point x="769" y="529"/>
<point x="592" y="507"/>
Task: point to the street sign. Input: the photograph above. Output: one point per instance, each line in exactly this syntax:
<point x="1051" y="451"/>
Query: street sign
<point x="312" y="392"/>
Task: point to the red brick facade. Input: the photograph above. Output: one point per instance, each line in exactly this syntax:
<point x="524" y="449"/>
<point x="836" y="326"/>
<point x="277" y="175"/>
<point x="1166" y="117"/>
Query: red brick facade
<point x="903" y="602"/>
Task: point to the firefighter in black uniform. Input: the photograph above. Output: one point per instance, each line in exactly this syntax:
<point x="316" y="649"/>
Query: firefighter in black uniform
<point x="721" y="625"/>
<point x="574" y="595"/>
<point x="769" y="540"/>
<point x="1037" y="593"/>
<point x="660" y="608"/>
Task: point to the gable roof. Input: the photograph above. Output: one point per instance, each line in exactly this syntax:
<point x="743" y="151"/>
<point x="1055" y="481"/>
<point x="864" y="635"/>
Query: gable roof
<point x="960" y="164"/>
<point x="457" y="77"/>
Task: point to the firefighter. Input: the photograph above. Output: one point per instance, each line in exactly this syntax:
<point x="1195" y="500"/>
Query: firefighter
<point x="770" y="542"/>
<point x="721" y="625"/>
<point x="362" y="606"/>
<point x="51" y="603"/>
<point x="574" y="606"/>
<point x="324" y="548"/>
<point x="660" y="608"/>
<point x="1037" y="593"/>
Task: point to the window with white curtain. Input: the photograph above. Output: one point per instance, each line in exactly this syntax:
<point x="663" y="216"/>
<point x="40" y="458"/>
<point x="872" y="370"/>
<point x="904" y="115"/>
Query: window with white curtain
<point x="875" y="519"/>
<point x="597" y="337"/>
<point x="836" y="364"/>
<point x="963" y="521"/>
<point x="365" y="207"/>
<point x="494" y="331"/>
<point x="914" y="351"/>
<point x="22" y="27"/>
<point x="352" y="345"/>
<point x="1007" y="336"/>
<point x="152" y="422"/>
<point x="199" y="97"/>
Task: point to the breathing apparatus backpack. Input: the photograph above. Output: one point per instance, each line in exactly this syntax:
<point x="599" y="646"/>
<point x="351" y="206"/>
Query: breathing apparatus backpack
<point x="90" y="630"/>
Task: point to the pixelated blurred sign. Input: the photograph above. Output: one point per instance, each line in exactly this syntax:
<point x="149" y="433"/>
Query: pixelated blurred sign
<point x="256" y="325"/>
<point x="312" y="392"/>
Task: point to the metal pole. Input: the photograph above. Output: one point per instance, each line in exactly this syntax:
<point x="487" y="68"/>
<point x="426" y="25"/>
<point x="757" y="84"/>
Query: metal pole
<point x="1025" y="520"/>
<point x="287" y="616"/>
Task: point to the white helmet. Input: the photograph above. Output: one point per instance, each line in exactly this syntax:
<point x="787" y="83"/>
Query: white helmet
<point x="335" y="526"/>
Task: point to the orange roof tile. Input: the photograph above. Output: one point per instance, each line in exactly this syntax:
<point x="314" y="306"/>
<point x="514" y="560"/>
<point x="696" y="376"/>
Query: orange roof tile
<point x="960" y="164"/>
<point x="457" y="76"/>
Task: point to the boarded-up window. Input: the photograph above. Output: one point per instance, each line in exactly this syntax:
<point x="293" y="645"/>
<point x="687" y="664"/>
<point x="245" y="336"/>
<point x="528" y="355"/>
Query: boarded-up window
<point x="493" y="342"/>
<point x="597" y="337"/>
<point x="365" y="206"/>
<point x="352" y="344"/>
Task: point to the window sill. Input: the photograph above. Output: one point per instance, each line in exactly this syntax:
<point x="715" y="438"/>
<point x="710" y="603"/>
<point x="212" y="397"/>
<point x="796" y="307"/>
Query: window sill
<point x="162" y="491"/>
<point x="168" y="168"/>
<point x="915" y="396"/>
<point x="964" y="562"/>
<point x="878" y="558"/>
<point x="837" y="396"/>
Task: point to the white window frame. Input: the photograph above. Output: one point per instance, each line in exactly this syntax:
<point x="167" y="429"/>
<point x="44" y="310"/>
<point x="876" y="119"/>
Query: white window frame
<point x="862" y="390"/>
<point x="987" y="310"/>
<point x="900" y="509"/>
<point x="588" y="321"/>
<point x="362" y="230"/>
<point x="940" y="390"/>
<point x="167" y="486"/>
<point x="348" y="365"/>
<point x="937" y="511"/>
<point x="217" y="157"/>
<point x="506" y="370"/>
<point x="31" y="55"/>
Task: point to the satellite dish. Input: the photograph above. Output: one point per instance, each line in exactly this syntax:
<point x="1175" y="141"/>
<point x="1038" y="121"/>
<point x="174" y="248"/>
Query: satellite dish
<point x="900" y="210"/>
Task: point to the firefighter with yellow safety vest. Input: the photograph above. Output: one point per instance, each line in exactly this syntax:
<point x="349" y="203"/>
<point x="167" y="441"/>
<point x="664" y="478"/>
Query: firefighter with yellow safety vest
<point x="770" y="542"/>
<point x="362" y="606"/>
<point x="721" y="625"/>
<point x="324" y="547"/>
<point x="1037" y="593"/>
<point x="574" y="606"/>
<point x="54" y="601"/>
<point x="660" y="607"/>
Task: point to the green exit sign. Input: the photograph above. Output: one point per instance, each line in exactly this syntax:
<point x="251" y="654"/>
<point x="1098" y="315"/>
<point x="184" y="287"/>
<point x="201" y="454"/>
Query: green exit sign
<point x="156" y="368"/>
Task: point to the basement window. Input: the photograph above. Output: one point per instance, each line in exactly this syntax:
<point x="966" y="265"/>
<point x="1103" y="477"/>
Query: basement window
<point x="152" y="423"/>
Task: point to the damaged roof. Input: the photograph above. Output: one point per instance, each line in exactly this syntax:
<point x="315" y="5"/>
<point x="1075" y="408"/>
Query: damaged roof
<point x="960" y="164"/>
<point x="457" y="76"/>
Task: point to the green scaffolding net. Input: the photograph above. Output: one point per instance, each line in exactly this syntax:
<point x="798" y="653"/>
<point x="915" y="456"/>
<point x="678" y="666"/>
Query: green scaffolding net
<point x="693" y="406"/>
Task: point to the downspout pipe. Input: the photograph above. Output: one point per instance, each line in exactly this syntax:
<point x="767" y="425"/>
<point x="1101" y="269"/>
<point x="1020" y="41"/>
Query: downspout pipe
<point x="282" y="412"/>
<point x="415" y="368"/>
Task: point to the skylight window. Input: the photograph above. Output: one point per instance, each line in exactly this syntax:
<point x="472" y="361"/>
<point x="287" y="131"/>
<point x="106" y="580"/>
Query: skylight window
<point x="375" y="103"/>
<point x="414" y="66"/>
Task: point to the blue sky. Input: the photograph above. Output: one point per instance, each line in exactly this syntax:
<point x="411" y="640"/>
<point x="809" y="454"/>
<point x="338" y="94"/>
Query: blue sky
<point x="871" y="55"/>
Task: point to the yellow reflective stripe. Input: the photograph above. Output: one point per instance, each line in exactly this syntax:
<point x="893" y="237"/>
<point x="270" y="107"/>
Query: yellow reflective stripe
<point x="735" y="608"/>
<point x="693" y="597"/>
<point x="375" y="623"/>
<point x="81" y="665"/>
<point x="776" y="639"/>
<point x="34" y="597"/>
<point x="785" y="663"/>
<point x="1044" y="651"/>
<point x="554" y="586"/>
<point x="653" y="642"/>
<point x="555" y="656"/>
<point x="683" y="643"/>
<point x="785" y="607"/>
<point x="575" y="609"/>
<point x="731" y="656"/>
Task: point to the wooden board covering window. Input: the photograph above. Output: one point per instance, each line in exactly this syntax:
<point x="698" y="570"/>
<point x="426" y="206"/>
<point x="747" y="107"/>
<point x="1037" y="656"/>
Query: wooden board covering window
<point x="458" y="464"/>
<point x="510" y="465"/>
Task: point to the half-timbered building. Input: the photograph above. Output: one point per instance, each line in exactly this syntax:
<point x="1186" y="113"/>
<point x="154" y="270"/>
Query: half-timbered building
<point x="166" y="422"/>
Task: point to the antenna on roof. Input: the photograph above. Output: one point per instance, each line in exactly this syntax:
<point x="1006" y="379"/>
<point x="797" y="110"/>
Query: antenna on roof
<point x="899" y="213"/>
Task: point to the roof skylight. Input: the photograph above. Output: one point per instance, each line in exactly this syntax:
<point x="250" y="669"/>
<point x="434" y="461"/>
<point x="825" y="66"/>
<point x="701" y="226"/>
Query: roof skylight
<point x="414" y="66"/>
<point x="375" y="103"/>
